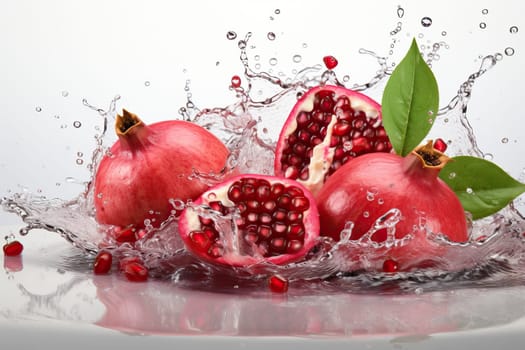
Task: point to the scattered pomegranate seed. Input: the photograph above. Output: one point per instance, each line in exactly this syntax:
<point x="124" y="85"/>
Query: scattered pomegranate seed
<point x="330" y="62"/>
<point x="135" y="272"/>
<point x="278" y="284"/>
<point x="13" y="248"/>
<point x="440" y="145"/>
<point x="123" y="235"/>
<point x="390" y="266"/>
<point x="236" y="81"/>
<point x="102" y="263"/>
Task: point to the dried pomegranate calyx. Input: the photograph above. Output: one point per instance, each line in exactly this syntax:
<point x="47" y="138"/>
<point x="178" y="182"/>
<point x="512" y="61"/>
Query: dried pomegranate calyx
<point x="126" y="122"/>
<point x="430" y="157"/>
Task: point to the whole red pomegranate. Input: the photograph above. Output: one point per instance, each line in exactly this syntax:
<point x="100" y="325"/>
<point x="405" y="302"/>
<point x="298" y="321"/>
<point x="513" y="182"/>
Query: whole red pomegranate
<point x="365" y="189"/>
<point x="274" y="220"/>
<point x="150" y="164"/>
<point x="328" y="126"/>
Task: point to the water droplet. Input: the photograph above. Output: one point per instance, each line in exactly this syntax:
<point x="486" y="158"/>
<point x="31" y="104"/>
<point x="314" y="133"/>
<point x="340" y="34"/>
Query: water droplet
<point x="483" y="25"/>
<point x="270" y="36"/>
<point x="38" y="109"/>
<point x="420" y="36"/>
<point x="348" y="145"/>
<point x="400" y="12"/>
<point x="80" y="161"/>
<point x="366" y="214"/>
<point x="77" y="124"/>
<point x="277" y="11"/>
<point x="305" y="45"/>
<point x="241" y="44"/>
<point x="65" y="93"/>
<point x="80" y="154"/>
<point x="469" y="190"/>
<point x="147" y="83"/>
<point x="444" y="33"/>
<point x="430" y="121"/>
<point x="488" y="156"/>
<point x="452" y="175"/>
<point x="381" y="201"/>
<point x="346" y="78"/>
<point x="504" y="140"/>
<point x="297" y="58"/>
<point x="257" y="66"/>
<point x="273" y="61"/>
<point x="484" y="11"/>
<point x="231" y="35"/>
<point x="498" y="56"/>
<point x="426" y="21"/>
<point x="509" y="51"/>
<point x="217" y="63"/>
<point x="513" y="29"/>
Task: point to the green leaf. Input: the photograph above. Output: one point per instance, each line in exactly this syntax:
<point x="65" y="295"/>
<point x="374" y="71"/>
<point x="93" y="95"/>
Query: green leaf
<point x="410" y="102"/>
<point x="482" y="187"/>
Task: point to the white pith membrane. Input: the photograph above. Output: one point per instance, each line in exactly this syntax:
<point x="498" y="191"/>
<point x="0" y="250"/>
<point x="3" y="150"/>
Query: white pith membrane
<point x="235" y="247"/>
<point x="323" y="154"/>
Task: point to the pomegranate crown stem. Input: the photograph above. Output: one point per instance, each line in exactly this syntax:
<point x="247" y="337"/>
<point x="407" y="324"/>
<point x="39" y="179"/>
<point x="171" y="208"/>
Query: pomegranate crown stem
<point x="430" y="157"/>
<point x="126" y="122"/>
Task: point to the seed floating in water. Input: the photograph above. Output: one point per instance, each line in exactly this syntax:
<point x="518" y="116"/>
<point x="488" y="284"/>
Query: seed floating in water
<point x="236" y="81"/>
<point x="426" y="21"/>
<point x="330" y="62"/>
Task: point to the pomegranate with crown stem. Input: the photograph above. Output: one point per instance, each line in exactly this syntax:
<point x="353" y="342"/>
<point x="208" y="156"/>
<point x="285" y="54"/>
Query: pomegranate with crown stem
<point x="150" y="164"/>
<point x="272" y="220"/>
<point x="364" y="190"/>
<point x="328" y="126"/>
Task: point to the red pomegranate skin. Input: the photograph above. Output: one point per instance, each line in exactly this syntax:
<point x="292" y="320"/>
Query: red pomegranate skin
<point x="366" y="188"/>
<point x="150" y="164"/>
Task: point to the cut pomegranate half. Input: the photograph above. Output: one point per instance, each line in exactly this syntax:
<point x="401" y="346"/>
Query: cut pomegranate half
<point x="328" y="126"/>
<point x="272" y="220"/>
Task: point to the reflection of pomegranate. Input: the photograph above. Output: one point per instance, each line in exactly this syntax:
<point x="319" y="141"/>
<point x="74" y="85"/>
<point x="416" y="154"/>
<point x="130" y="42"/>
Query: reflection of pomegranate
<point x="328" y="126"/>
<point x="149" y="164"/>
<point x="275" y="220"/>
<point x="365" y="189"/>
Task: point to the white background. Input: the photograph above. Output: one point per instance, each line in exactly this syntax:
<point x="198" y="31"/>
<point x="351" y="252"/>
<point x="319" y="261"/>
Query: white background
<point x="98" y="49"/>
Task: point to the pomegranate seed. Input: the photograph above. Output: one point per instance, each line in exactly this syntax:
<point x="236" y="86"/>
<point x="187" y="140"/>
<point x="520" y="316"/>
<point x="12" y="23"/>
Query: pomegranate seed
<point x="102" y="263"/>
<point x="278" y="284"/>
<point x="440" y="145"/>
<point x="236" y="81"/>
<point x="330" y="62"/>
<point x="390" y="266"/>
<point x="123" y="235"/>
<point x="13" y="248"/>
<point x="135" y="272"/>
<point x="13" y="263"/>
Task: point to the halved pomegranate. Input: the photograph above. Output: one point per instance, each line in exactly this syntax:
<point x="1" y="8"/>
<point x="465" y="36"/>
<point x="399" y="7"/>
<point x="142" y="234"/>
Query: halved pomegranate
<point x="328" y="126"/>
<point x="273" y="220"/>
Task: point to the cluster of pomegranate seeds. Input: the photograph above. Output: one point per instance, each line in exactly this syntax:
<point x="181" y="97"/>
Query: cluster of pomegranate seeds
<point x="278" y="284"/>
<point x="440" y="145"/>
<point x="271" y="218"/>
<point x="390" y="266"/>
<point x="352" y="134"/>
<point x="236" y="81"/>
<point x="13" y="248"/>
<point x="330" y="62"/>
<point x="102" y="263"/>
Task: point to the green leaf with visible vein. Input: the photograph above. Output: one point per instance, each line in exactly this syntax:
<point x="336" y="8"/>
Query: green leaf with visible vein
<point x="410" y="102"/>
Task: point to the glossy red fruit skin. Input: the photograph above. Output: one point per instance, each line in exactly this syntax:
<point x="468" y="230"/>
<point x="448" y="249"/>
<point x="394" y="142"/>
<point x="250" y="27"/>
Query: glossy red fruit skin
<point x="189" y="221"/>
<point x="13" y="248"/>
<point x="396" y="182"/>
<point x="150" y="164"/>
<point x="366" y="137"/>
